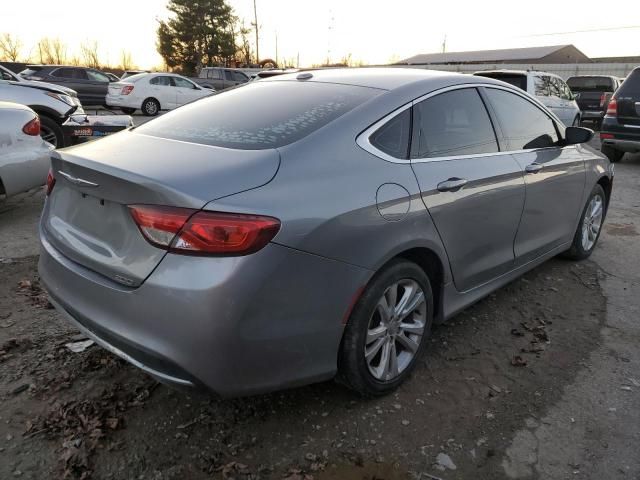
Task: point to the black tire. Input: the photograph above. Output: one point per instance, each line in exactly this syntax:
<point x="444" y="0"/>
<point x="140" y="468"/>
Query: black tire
<point x="577" y="250"/>
<point x="51" y="132"/>
<point x="611" y="153"/>
<point x="353" y="370"/>
<point x="150" y="107"/>
<point x="127" y="111"/>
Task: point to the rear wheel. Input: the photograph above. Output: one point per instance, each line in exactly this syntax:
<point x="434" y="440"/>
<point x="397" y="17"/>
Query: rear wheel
<point x="127" y="111"/>
<point x="590" y="225"/>
<point x="387" y="330"/>
<point x="150" y="107"/>
<point x="51" y="132"/>
<point x="611" y="153"/>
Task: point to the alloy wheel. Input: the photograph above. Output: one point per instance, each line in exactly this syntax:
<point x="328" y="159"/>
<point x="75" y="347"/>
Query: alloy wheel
<point x="395" y="329"/>
<point x="592" y="222"/>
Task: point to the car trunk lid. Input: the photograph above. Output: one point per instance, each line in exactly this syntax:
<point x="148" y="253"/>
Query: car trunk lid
<point x="87" y="216"/>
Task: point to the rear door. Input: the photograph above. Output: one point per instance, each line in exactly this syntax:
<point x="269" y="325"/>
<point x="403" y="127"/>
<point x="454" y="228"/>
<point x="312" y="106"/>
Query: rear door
<point x="98" y="85"/>
<point x="474" y="193"/>
<point x="162" y="89"/>
<point x="554" y="175"/>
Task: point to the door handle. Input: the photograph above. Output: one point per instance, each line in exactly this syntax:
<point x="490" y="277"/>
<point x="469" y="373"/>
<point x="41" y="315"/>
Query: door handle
<point x="452" y="184"/>
<point x="533" y="167"/>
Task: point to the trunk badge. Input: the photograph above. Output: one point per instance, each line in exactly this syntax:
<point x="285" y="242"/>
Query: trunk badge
<point x="77" y="181"/>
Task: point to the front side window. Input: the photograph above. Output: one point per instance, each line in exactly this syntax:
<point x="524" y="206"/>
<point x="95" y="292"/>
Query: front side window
<point x="393" y="137"/>
<point x="63" y="73"/>
<point x="523" y="124"/>
<point x="183" y="83"/>
<point x="213" y="74"/>
<point x="555" y="88"/>
<point x="97" y="76"/>
<point x="230" y="119"/>
<point x="453" y="123"/>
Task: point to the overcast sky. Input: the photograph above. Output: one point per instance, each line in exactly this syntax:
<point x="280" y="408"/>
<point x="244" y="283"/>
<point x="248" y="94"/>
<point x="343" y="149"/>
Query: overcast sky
<point x="371" y="31"/>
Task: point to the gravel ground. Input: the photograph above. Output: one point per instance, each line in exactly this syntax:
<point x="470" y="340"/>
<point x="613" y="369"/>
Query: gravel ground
<point x="539" y="380"/>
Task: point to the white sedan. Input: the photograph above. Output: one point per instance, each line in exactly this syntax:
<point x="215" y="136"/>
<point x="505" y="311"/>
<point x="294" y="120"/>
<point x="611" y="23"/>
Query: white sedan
<point x="152" y="92"/>
<point x="24" y="156"/>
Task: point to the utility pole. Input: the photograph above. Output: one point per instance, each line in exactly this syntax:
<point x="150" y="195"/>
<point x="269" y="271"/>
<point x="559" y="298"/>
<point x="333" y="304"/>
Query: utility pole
<point x="277" y="49"/>
<point x="255" y="16"/>
<point x="444" y="44"/>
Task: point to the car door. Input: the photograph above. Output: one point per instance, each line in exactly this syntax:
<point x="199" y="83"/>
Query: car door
<point x="554" y="175"/>
<point x="572" y="110"/>
<point x="474" y="193"/>
<point x="98" y="85"/>
<point x="186" y="91"/>
<point x="161" y="88"/>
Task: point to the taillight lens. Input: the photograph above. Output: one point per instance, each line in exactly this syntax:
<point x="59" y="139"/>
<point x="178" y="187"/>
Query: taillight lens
<point x="32" y="128"/>
<point x="51" y="182"/>
<point x="612" y="108"/>
<point x="186" y="231"/>
<point x="126" y="90"/>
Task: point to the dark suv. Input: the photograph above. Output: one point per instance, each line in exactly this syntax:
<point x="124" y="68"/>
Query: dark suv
<point x="593" y="93"/>
<point x="91" y="84"/>
<point x="620" y="130"/>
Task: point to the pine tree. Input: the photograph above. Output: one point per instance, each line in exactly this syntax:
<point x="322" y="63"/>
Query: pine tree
<point x="199" y="33"/>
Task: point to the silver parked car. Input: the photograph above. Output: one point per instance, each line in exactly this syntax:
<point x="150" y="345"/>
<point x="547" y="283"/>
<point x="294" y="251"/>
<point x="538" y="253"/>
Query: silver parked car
<point x="250" y="250"/>
<point x="24" y="156"/>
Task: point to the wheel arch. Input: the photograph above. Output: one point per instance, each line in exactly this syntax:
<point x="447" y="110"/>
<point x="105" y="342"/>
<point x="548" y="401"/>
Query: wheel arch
<point x="607" y="186"/>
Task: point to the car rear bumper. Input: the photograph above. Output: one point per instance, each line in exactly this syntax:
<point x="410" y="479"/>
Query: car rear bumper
<point x="120" y="101"/>
<point x="592" y="115"/>
<point x="625" y="134"/>
<point x="630" y="146"/>
<point x="236" y="326"/>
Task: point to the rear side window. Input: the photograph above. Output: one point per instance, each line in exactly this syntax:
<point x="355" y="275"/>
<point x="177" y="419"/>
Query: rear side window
<point x="162" y="81"/>
<point x="631" y="86"/>
<point x="523" y="124"/>
<point x="63" y="73"/>
<point x="393" y="137"/>
<point x="453" y="123"/>
<point x="214" y="74"/>
<point x="514" y="79"/>
<point x="259" y="115"/>
<point x="586" y="84"/>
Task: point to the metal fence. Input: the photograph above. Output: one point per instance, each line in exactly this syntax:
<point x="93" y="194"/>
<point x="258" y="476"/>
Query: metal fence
<point x="564" y="70"/>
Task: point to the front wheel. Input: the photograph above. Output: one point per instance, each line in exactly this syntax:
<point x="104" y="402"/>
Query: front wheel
<point x="611" y="153"/>
<point x="387" y="330"/>
<point x="590" y="225"/>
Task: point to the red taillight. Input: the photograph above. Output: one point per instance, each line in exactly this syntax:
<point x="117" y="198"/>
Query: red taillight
<point x="606" y="136"/>
<point x="32" y="128"/>
<point x="51" y="182"/>
<point x="612" y="108"/>
<point x="187" y="231"/>
<point x="126" y="90"/>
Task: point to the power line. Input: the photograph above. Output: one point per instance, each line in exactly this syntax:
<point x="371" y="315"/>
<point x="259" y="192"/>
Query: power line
<point x="604" y="29"/>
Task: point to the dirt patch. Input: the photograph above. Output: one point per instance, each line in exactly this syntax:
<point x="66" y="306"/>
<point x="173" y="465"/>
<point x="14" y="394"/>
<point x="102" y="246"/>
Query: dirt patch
<point x="487" y="372"/>
<point x="621" y="229"/>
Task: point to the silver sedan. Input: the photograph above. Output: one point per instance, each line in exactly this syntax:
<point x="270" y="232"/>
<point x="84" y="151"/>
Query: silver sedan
<point x="313" y="225"/>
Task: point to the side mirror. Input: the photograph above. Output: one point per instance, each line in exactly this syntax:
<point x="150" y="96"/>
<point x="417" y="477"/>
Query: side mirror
<point x="576" y="135"/>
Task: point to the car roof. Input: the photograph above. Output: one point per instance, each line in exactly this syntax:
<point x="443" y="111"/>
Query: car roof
<point x="389" y="78"/>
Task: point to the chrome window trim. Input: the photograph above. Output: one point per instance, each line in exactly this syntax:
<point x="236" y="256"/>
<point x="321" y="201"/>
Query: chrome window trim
<point x="363" y="139"/>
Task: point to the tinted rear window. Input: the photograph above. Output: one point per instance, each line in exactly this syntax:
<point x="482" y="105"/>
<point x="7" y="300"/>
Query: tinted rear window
<point x="586" y="84"/>
<point x="631" y="86"/>
<point x="514" y="79"/>
<point x="259" y="115"/>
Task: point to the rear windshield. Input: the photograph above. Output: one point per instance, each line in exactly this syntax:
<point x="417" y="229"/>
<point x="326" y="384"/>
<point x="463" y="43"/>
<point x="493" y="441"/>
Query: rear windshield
<point x="259" y="115"/>
<point x="587" y="84"/>
<point x="631" y="86"/>
<point x="514" y="79"/>
<point x="134" y="77"/>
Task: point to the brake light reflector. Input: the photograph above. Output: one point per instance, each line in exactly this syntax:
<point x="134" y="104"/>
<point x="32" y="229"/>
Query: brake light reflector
<point x="612" y="108"/>
<point x="51" y="182"/>
<point x="193" y="232"/>
<point x="126" y="90"/>
<point x="32" y="128"/>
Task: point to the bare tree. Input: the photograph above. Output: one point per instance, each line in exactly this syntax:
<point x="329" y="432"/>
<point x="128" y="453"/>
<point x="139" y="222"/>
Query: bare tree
<point x="244" y="49"/>
<point x="89" y="52"/>
<point x="10" y="47"/>
<point x="125" y="60"/>
<point x="52" y="51"/>
<point x="257" y="27"/>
